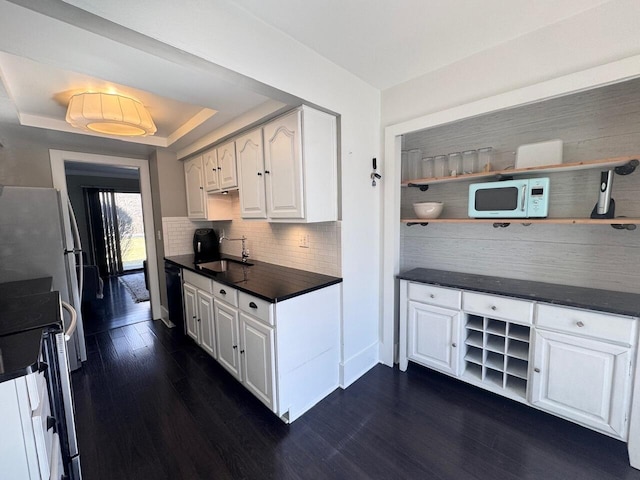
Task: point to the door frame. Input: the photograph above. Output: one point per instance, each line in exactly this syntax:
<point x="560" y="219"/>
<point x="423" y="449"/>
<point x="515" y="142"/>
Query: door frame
<point x="58" y="157"/>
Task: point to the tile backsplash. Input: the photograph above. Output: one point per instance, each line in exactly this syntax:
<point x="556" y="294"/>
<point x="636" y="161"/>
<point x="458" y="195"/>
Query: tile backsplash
<point x="277" y="243"/>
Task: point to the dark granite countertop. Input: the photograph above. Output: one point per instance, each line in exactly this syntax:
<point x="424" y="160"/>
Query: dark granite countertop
<point x="23" y="321"/>
<point x="272" y="283"/>
<point x="620" y="303"/>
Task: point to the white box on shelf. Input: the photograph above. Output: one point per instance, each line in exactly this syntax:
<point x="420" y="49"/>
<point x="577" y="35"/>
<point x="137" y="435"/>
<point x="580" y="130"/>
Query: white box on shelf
<point x="539" y="154"/>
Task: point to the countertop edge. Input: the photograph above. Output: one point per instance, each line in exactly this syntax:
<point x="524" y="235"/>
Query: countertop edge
<point x="414" y="276"/>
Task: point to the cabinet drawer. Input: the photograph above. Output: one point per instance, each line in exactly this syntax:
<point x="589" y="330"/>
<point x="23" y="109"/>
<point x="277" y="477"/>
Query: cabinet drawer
<point x="442" y="297"/>
<point x="256" y="307"/>
<point x="602" y="326"/>
<point x="43" y="436"/>
<point x="225" y="293"/>
<point x="198" y="281"/>
<point x="498" y="307"/>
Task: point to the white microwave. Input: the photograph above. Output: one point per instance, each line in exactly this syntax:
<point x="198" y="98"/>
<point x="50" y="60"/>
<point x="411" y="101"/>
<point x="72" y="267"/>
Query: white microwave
<point x="527" y="198"/>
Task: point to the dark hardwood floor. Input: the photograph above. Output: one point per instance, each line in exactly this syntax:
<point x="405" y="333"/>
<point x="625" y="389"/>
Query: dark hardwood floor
<point x="150" y="404"/>
<point x="116" y="309"/>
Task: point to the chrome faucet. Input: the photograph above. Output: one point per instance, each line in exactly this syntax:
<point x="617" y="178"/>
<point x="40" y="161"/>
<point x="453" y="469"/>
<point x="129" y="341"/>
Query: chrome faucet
<point x="245" y="251"/>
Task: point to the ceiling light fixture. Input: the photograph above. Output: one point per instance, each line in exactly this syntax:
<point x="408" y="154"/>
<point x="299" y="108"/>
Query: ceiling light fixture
<point x="111" y="114"/>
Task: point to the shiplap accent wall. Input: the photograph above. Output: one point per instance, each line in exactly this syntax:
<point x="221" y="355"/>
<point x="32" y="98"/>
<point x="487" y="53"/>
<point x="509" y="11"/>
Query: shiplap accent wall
<point x="595" y="124"/>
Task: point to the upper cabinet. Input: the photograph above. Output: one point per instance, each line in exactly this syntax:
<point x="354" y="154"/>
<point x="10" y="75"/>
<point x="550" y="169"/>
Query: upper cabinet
<point x="194" y="179"/>
<point x="210" y="160"/>
<point x="288" y="172"/>
<point x="227" y="176"/>
<point x="200" y="204"/>
<point x="251" y="175"/>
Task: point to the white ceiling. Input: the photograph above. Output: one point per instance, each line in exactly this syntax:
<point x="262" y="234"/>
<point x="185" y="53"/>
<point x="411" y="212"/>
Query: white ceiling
<point x="381" y="41"/>
<point x="387" y="42"/>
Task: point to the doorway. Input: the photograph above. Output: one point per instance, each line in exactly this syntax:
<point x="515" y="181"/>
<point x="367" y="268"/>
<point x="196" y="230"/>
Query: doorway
<point x="138" y="171"/>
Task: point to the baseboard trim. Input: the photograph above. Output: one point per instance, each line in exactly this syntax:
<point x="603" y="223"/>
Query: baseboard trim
<point x="359" y="364"/>
<point x="164" y="316"/>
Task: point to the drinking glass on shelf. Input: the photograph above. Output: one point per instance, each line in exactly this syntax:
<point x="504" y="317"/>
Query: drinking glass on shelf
<point x="440" y="166"/>
<point x="427" y="167"/>
<point x="469" y="161"/>
<point x="404" y="165"/>
<point x="415" y="163"/>
<point x="485" y="155"/>
<point x="455" y="164"/>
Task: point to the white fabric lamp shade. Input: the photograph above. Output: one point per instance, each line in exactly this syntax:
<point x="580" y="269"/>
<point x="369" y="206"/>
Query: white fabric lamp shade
<point x="110" y="114"/>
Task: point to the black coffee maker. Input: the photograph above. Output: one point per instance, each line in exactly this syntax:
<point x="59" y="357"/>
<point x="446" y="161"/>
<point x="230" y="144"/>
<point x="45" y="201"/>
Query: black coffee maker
<point x="206" y="245"/>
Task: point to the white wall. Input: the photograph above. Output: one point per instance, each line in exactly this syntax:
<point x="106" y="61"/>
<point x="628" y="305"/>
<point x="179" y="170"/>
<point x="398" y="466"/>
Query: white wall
<point x="595" y="37"/>
<point x="226" y="35"/>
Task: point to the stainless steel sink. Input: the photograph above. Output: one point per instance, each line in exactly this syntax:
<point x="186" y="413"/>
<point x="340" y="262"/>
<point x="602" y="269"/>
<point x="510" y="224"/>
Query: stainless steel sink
<point x="223" y="265"/>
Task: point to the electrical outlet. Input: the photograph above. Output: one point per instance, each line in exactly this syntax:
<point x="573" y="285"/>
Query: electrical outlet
<point x="304" y="240"/>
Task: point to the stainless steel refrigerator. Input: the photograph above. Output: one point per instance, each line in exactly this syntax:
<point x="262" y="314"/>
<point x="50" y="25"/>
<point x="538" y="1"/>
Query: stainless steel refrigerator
<point x="34" y="244"/>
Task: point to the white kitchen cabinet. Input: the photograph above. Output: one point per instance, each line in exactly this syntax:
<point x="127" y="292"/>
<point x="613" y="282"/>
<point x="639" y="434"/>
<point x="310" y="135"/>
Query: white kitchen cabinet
<point x="433" y="337"/>
<point x="194" y="183"/>
<point x="258" y="368"/>
<point x="286" y="353"/>
<point x="29" y="447"/>
<point x="202" y="205"/>
<point x="228" y="337"/>
<point x="199" y="311"/>
<point x="227" y="175"/>
<point x="583" y="371"/>
<point x="300" y="172"/>
<point x="250" y="157"/>
<point x="210" y="167"/>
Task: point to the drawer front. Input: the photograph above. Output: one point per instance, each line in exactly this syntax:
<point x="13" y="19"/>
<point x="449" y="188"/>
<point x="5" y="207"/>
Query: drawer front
<point x="442" y="297"/>
<point x="198" y="281"/>
<point x="493" y="306"/>
<point x="36" y="386"/>
<point x="43" y="436"/>
<point x="225" y="293"/>
<point x="603" y="326"/>
<point x="256" y="307"/>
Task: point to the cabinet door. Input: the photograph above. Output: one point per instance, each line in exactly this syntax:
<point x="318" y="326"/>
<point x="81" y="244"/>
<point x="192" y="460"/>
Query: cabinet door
<point x="194" y="181"/>
<point x="226" y="336"/>
<point x="227" y="165"/>
<point x="210" y="165"/>
<point x="191" y="311"/>
<point x="433" y="337"/>
<point x="583" y="380"/>
<point x="258" y="369"/>
<point x="207" y="328"/>
<point x="283" y="167"/>
<point x="251" y="175"/>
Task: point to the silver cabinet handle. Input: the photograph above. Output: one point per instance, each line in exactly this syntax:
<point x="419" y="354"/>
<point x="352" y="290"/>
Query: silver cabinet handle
<point x="579" y="323"/>
<point x="537" y="370"/>
<point x="454" y="345"/>
<point x="432" y="296"/>
<point x="524" y="194"/>
<point x="494" y="308"/>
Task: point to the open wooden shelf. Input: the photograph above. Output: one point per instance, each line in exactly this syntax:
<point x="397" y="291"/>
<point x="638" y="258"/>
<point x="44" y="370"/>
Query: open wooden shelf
<point x="526" y="221"/>
<point x="605" y="164"/>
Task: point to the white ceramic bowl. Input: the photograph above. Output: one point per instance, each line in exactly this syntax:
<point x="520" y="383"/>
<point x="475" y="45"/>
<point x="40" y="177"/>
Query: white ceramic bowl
<point x="428" y="209"/>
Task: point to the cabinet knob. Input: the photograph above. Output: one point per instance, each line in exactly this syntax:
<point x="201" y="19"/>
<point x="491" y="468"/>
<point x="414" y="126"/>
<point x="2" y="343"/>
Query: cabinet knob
<point x="235" y="346"/>
<point x="454" y="345"/>
<point x="253" y="305"/>
<point x="432" y="295"/>
<point x="222" y="292"/>
<point x="201" y="188"/>
<point x="537" y="370"/>
<point x="241" y="351"/>
<point x="219" y="168"/>
<point x="579" y="323"/>
<point x="198" y="319"/>
<point x="259" y="174"/>
<point x="494" y="308"/>
<point x="194" y="317"/>
<point x="267" y="172"/>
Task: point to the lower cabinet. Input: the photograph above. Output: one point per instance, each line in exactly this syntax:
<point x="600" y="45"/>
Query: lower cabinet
<point x="433" y="337"/>
<point x="287" y="353"/>
<point x="199" y="317"/>
<point x="577" y="364"/>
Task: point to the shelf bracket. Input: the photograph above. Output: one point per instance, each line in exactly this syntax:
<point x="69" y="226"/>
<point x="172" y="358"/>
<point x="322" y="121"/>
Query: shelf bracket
<point x="423" y="188"/>
<point x="501" y="225"/>
<point x="623" y="226"/>
<point x="630" y="167"/>
<point x="423" y="224"/>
